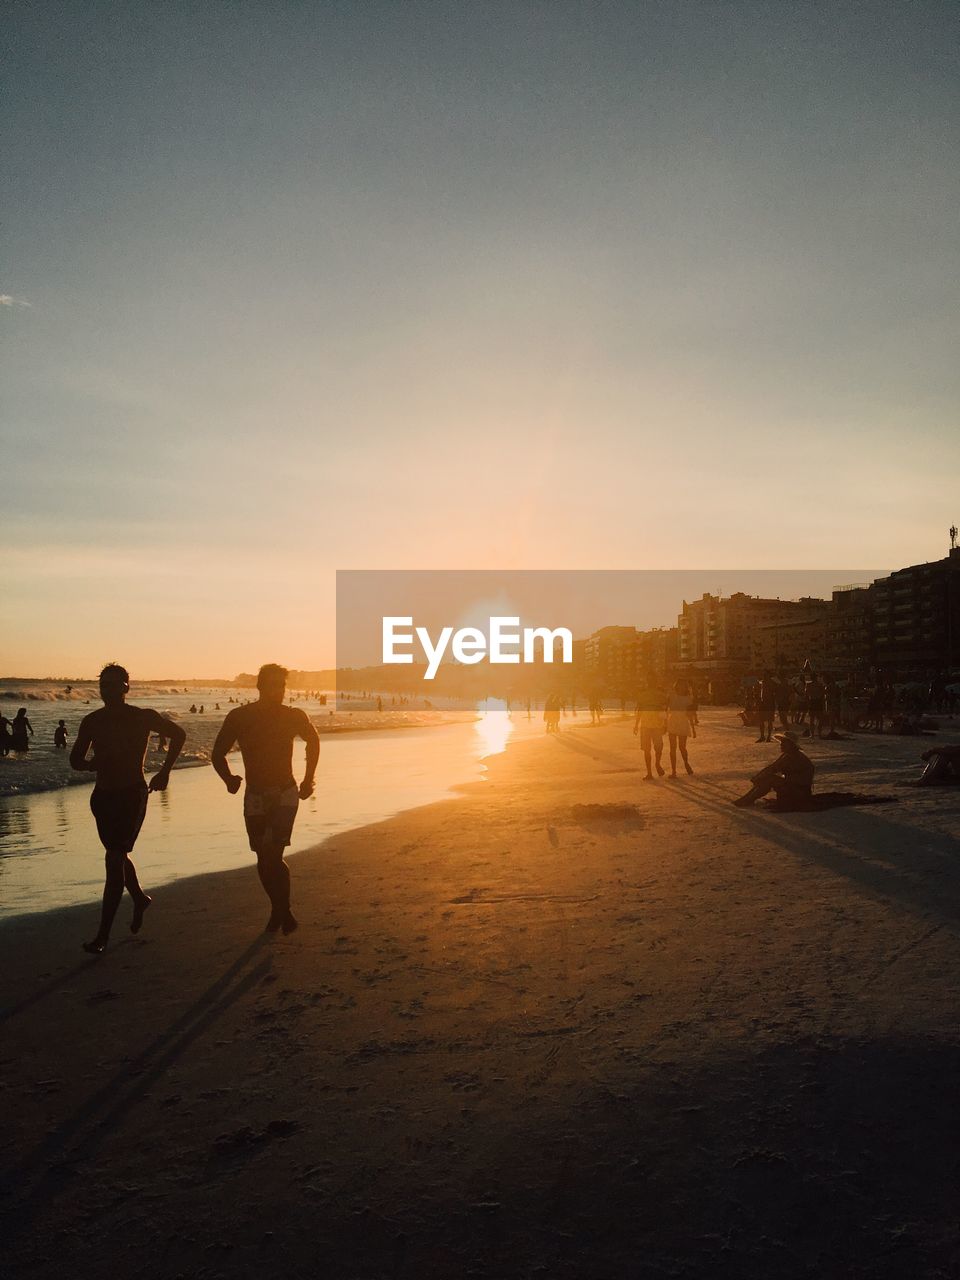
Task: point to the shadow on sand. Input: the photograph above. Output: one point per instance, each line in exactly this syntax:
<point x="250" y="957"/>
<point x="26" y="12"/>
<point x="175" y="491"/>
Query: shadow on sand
<point x="33" y="1183"/>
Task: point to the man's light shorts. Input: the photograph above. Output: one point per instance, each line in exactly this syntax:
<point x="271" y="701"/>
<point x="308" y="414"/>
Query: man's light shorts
<point x="269" y="816"/>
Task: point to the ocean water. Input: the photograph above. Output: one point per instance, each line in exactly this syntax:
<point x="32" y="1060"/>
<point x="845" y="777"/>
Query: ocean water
<point x="50" y="855"/>
<point x="44" y="768"/>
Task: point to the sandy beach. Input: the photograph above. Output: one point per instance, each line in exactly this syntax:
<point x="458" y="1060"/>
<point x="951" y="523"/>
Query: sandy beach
<point x="569" y="1024"/>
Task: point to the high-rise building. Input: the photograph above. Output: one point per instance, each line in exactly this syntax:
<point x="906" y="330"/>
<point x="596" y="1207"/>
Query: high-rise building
<point x="850" y="643"/>
<point x="721" y="633"/>
<point x="612" y="655"/>
<point x="660" y="650"/>
<point x="916" y="616"/>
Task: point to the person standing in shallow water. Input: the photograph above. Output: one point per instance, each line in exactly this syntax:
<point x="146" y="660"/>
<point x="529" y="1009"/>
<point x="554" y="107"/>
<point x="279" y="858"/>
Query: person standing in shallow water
<point x="18" y="731"/>
<point x="118" y="734"/>
<point x="264" y="731"/>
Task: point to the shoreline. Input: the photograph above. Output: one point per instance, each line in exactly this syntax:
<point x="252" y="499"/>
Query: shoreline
<point x="555" y="1024"/>
<point x="76" y="778"/>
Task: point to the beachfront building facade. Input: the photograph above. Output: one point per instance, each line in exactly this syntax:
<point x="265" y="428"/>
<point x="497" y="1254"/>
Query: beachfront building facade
<point x="850" y="644"/>
<point x="723" y="633"/>
<point x="612" y="655"/>
<point x="916" y="617"/>
<point x="660" y="650"/>
<point x="906" y="623"/>
<point x="620" y="658"/>
<point x="785" y="646"/>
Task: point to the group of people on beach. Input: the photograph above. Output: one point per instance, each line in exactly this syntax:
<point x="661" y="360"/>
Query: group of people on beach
<point x="118" y="734"/>
<point x="659" y="713"/>
<point x="15" y="734"/>
<point x="818" y="704"/>
<point x="813" y="704"/>
<point x="112" y="743"/>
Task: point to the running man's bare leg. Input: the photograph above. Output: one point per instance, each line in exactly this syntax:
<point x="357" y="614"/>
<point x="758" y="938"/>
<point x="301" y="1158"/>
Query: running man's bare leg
<point x="141" y="900"/>
<point x="112" y="893"/>
<point x="673" y="754"/>
<point x="275" y="878"/>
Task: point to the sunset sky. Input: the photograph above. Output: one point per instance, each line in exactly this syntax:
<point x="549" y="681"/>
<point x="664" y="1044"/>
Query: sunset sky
<point x="288" y="288"/>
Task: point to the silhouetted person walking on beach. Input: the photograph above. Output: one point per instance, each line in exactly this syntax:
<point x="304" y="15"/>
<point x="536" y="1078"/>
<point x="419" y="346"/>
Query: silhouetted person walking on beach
<point x="816" y="701"/>
<point x="264" y="731"/>
<point x="18" y="731"/>
<point x="650" y="723"/>
<point x="767" y="702"/>
<point x="679" y="724"/>
<point x="119" y="734"/>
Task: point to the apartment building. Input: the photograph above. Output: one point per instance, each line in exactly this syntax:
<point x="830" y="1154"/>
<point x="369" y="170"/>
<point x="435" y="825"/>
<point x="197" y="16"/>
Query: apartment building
<point x="722" y="633"/>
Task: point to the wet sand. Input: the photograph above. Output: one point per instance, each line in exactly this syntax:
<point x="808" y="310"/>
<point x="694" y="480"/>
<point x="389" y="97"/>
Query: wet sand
<point x="569" y="1025"/>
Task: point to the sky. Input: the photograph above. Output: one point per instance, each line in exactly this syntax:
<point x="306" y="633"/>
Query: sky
<point x="292" y="288"/>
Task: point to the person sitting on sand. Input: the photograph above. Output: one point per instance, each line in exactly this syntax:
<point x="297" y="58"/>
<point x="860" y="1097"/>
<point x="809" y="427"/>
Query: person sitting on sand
<point x="650" y="722"/>
<point x="119" y="734"/>
<point x="942" y="766"/>
<point x="60" y="735"/>
<point x="265" y="731"/>
<point x="790" y="776"/>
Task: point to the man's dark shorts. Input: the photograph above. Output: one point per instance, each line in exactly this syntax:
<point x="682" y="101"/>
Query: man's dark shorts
<point x="119" y="816"/>
<point x="269" y="815"/>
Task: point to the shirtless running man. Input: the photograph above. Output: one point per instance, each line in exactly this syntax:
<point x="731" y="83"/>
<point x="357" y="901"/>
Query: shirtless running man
<point x="265" y="731"/>
<point x="119" y="734"/>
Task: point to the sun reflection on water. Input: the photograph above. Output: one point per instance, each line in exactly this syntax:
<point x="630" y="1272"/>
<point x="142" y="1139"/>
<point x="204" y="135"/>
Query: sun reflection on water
<point x="493" y="728"/>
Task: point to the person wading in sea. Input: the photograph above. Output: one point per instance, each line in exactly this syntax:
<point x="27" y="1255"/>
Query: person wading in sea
<point x="264" y="731"/>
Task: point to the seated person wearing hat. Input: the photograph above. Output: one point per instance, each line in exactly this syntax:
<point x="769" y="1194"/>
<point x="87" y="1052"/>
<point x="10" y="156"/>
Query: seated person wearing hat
<point x="790" y="776"/>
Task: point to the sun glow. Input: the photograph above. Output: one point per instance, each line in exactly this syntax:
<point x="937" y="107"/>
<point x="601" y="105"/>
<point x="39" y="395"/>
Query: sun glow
<point x="494" y="727"/>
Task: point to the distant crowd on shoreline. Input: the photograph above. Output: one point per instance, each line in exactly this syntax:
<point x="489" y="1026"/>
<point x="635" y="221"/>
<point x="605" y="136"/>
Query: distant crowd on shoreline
<point x="822" y="705"/>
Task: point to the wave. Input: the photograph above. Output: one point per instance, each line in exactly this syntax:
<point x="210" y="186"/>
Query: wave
<point x="47" y="695"/>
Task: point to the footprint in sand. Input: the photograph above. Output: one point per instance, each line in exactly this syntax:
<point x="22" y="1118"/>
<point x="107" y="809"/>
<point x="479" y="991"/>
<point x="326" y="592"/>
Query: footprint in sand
<point x="99" y="996"/>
